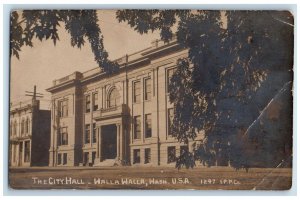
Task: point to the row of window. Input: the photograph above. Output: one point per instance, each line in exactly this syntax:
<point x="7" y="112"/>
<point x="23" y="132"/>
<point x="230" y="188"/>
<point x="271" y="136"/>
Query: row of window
<point x="26" y="151"/>
<point x="148" y="124"/>
<point x="171" y="151"/>
<point x="88" y="133"/>
<point x="137" y="126"/>
<point x="137" y="90"/>
<point x="24" y="127"/>
<point x="63" y="135"/>
<point x="148" y="91"/>
<point x="63" y="108"/>
<point x="137" y="156"/>
<point x="113" y="98"/>
<point x="62" y="158"/>
<point x="88" y="102"/>
<point x="63" y="131"/>
<point x="86" y="160"/>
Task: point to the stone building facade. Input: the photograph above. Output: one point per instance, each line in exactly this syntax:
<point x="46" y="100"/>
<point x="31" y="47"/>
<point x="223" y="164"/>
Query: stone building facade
<point x="100" y="119"/>
<point x="29" y="134"/>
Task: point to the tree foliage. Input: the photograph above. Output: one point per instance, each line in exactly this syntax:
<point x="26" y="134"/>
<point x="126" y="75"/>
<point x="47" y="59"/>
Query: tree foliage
<point x="82" y="25"/>
<point x="237" y="62"/>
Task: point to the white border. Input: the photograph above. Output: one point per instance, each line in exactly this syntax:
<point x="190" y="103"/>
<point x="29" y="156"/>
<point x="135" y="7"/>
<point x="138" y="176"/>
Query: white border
<point x="93" y="4"/>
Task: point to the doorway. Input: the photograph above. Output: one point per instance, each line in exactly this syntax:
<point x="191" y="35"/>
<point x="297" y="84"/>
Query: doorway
<point x="109" y="142"/>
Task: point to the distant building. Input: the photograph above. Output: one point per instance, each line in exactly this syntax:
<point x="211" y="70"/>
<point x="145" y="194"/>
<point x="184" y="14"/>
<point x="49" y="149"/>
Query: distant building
<point x="29" y="134"/>
<point x="100" y="119"/>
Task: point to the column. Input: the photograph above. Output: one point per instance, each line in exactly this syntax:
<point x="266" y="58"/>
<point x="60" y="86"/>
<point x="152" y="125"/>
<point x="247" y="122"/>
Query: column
<point x="97" y="139"/>
<point x="17" y="153"/>
<point x="30" y="159"/>
<point x="23" y="152"/>
<point x="118" y="141"/>
<point x="11" y="154"/>
<point x="99" y="144"/>
<point x="121" y="142"/>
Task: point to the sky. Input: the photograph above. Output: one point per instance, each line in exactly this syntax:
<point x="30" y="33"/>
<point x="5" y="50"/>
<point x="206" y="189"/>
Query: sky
<point x="45" y="62"/>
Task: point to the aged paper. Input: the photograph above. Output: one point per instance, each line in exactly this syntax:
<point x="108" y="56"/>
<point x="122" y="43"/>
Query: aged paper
<point x="151" y="99"/>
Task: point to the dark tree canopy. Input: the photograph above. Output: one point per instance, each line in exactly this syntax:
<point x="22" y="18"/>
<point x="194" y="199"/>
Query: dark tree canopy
<point x="237" y="62"/>
<point x="82" y="25"/>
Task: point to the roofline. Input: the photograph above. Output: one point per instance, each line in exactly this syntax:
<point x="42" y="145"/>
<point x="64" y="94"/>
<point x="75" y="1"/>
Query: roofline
<point x="145" y="55"/>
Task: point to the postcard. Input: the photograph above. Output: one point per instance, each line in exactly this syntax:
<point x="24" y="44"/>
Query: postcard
<point x="151" y="99"/>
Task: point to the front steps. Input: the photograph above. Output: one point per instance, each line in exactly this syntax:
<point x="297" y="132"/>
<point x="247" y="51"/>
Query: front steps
<point x="107" y="163"/>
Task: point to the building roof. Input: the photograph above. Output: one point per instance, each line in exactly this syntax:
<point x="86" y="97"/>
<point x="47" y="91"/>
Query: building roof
<point x="157" y="46"/>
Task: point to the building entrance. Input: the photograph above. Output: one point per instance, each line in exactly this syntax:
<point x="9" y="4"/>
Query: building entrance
<point x="109" y="142"/>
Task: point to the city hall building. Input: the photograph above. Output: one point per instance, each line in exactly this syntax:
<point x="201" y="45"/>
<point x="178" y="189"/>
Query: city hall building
<point x="122" y="119"/>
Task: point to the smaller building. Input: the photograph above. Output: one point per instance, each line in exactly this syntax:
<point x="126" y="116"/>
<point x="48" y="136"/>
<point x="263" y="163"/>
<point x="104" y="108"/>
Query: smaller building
<point x="29" y="134"/>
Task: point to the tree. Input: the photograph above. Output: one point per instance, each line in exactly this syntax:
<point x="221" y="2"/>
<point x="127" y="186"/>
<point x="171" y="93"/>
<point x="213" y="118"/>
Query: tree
<point x="43" y="24"/>
<point x="237" y="62"/>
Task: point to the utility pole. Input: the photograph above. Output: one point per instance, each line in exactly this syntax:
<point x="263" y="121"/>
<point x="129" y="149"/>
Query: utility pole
<point x="34" y="108"/>
<point x="34" y="96"/>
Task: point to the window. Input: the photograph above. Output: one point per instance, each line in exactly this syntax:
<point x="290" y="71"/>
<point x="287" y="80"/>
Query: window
<point x="170" y="74"/>
<point x="113" y="98"/>
<point x="86" y="159"/>
<point x="147" y="89"/>
<point x="27" y="126"/>
<point x="65" y="158"/>
<point x="171" y="154"/>
<point x="15" y="128"/>
<point x="136" y="92"/>
<point x="136" y="156"/>
<point x="95" y="101"/>
<point x="147" y="155"/>
<point x="59" y="159"/>
<point x="63" y="136"/>
<point x="184" y="149"/>
<point x="94" y="133"/>
<point x="137" y="127"/>
<point x="27" y="151"/>
<point x="23" y="126"/>
<point x="15" y="153"/>
<point x="170" y="120"/>
<point x="93" y="157"/>
<point x="148" y="126"/>
<point x="87" y="103"/>
<point x="63" y="108"/>
<point x="87" y="134"/>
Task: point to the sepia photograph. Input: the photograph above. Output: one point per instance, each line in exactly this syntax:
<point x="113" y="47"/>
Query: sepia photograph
<point x="151" y="99"/>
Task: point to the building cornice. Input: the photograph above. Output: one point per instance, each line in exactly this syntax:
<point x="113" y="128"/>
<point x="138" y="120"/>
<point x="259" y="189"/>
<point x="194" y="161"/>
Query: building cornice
<point x="139" y="59"/>
<point x="62" y="86"/>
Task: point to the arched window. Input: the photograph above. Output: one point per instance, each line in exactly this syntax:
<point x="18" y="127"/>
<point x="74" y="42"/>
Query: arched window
<point x="113" y="98"/>
<point x="27" y="126"/>
<point x="22" y="126"/>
